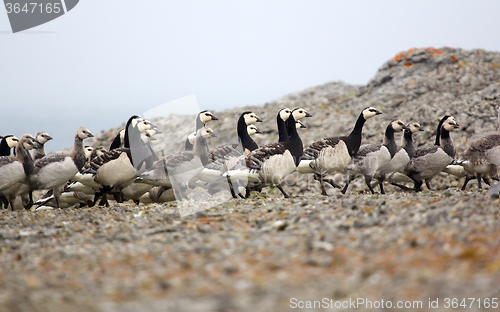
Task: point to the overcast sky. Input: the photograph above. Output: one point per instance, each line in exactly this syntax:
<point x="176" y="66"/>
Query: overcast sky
<point x="108" y="59"/>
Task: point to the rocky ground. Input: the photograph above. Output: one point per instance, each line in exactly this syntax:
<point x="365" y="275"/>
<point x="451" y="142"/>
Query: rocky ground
<point x="252" y="255"/>
<point x="258" y="254"/>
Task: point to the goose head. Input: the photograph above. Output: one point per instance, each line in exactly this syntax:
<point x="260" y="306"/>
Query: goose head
<point x="251" y="129"/>
<point x="414" y="127"/>
<point x="43" y="137"/>
<point x="11" y="141"/>
<point x="251" y="118"/>
<point x="27" y="141"/>
<point x="397" y="125"/>
<point x="206" y="133"/>
<point x="206" y="116"/>
<point x="284" y="113"/>
<point x="369" y="112"/>
<point x="449" y="124"/>
<point x="300" y="113"/>
<point x="84" y="133"/>
<point x="299" y="125"/>
<point x="88" y="151"/>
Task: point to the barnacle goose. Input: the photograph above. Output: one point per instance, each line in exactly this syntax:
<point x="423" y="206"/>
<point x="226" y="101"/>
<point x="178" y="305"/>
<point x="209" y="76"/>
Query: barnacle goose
<point x="176" y="170"/>
<point x="53" y="171"/>
<point x="429" y="161"/>
<point x="119" y="167"/>
<point x="8" y="143"/>
<point x="333" y="154"/>
<point x="408" y="146"/>
<point x="374" y="159"/>
<point x="202" y="118"/>
<point x="39" y="150"/>
<point x="269" y="164"/>
<point x="15" y="171"/>
<point x="221" y="154"/>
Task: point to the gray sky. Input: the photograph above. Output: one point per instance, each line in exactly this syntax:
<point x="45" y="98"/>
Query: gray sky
<point x="108" y="59"/>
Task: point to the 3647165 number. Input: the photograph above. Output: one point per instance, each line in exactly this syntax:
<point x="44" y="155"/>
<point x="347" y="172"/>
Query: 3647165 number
<point x="33" y="8"/>
<point x="485" y="303"/>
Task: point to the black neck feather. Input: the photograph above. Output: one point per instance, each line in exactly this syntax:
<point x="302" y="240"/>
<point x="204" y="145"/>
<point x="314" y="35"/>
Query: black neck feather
<point x="282" y="131"/>
<point x="353" y="141"/>
<point x="389" y="141"/>
<point x="294" y="143"/>
<point x="4" y="148"/>
<point x="244" y="138"/>
<point x="408" y="143"/>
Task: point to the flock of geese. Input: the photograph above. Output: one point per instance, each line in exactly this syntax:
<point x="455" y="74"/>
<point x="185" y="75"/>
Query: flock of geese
<point x="131" y="170"/>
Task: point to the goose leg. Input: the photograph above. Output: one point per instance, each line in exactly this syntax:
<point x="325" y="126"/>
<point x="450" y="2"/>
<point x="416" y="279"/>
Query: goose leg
<point x="319" y="177"/>
<point x="418" y="186"/>
<point x="428" y="184"/>
<point x="282" y="190"/>
<point x="5" y="202"/>
<point x="403" y="187"/>
<point x="349" y="180"/>
<point x="467" y="179"/>
<point x="487" y="181"/>
<point x="30" y="202"/>
<point x="368" y="179"/>
<point x="381" y="185"/>
<point x="478" y="176"/>
<point x="230" y="183"/>
<point x="160" y="191"/>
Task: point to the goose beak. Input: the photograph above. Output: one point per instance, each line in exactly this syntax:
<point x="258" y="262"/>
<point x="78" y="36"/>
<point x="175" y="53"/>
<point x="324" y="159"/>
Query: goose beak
<point x="213" y="135"/>
<point x="91" y="135"/>
<point x="214" y="118"/>
<point x="420" y="129"/>
<point x="378" y="112"/>
<point x="405" y="127"/>
<point x="456" y="126"/>
<point x="308" y="115"/>
<point x="258" y="131"/>
<point x="259" y="120"/>
<point x="158" y="132"/>
<point x="49" y="138"/>
<point x="302" y="126"/>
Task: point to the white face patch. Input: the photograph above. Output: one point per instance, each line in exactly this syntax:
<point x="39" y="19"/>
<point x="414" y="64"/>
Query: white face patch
<point x="43" y="137"/>
<point x="299" y="125"/>
<point x="397" y="125"/>
<point x="84" y="133"/>
<point x="299" y="113"/>
<point x="206" y="116"/>
<point x="414" y="127"/>
<point x="369" y="112"/>
<point x="192" y="137"/>
<point x="88" y="151"/>
<point x="450" y="124"/>
<point x="252" y="130"/>
<point x="285" y="114"/>
<point x="250" y="119"/>
<point x="12" y="141"/>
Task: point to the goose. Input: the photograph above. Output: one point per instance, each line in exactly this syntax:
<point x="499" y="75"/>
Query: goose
<point x="333" y="154"/>
<point x="221" y="154"/>
<point x="118" y="167"/>
<point x="53" y="171"/>
<point x="39" y="150"/>
<point x="202" y="118"/>
<point x="374" y="159"/>
<point x="429" y="161"/>
<point x="269" y="164"/>
<point x="66" y="200"/>
<point x="176" y="170"/>
<point x="481" y="160"/>
<point x="8" y="144"/>
<point x="14" y="171"/>
<point x="408" y="146"/>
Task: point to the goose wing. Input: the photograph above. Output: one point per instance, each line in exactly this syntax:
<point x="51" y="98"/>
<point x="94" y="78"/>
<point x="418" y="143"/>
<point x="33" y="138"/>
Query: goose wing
<point x="5" y="160"/>
<point x="256" y="158"/>
<point x="104" y="158"/>
<point x="313" y="151"/>
<point x="47" y="160"/>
